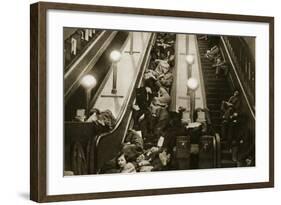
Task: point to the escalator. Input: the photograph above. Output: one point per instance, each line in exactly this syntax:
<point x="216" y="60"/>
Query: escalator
<point x="219" y="88"/>
<point x="99" y="65"/>
<point x="107" y="145"/>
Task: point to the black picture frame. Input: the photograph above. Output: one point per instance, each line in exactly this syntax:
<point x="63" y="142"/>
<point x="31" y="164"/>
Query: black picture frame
<point x="38" y="100"/>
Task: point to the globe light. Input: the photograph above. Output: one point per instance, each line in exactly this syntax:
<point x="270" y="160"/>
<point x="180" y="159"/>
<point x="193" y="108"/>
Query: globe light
<point x="88" y="81"/>
<point x="190" y="59"/>
<point x="115" y="56"/>
<point x="192" y="84"/>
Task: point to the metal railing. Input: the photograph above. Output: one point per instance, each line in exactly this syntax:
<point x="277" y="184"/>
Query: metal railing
<point x="244" y="64"/>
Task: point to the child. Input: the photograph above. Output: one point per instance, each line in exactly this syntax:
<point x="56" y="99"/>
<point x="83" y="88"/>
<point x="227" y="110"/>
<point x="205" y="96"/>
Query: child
<point x="125" y="167"/>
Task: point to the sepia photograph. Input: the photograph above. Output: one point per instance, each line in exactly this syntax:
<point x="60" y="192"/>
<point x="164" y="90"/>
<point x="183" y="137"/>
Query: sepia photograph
<point x="130" y="102"/>
<point x="157" y="101"/>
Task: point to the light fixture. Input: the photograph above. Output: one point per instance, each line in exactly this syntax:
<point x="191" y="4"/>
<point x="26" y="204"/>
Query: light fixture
<point x="115" y="56"/>
<point x="190" y="59"/>
<point x="192" y="84"/>
<point x="88" y="81"/>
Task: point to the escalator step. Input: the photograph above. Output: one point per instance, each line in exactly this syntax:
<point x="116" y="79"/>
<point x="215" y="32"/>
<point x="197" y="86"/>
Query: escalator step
<point x="228" y="163"/>
<point x="226" y="154"/>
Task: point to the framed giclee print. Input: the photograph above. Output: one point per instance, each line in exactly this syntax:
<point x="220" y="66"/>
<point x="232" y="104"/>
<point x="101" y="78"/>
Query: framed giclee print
<point x="133" y="102"/>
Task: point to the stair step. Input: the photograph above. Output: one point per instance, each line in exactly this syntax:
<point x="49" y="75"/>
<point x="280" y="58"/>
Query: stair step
<point x="228" y="163"/>
<point x="207" y="65"/>
<point x="206" y="62"/>
<point x="226" y="154"/>
<point x="217" y="95"/>
<point x="217" y="89"/>
<point x="209" y="70"/>
<point x="215" y="114"/>
<point x="214" y="84"/>
<point x="202" y="41"/>
<point x="224" y="144"/>
<point x="213" y="107"/>
<point x="203" y="50"/>
<point x="216" y="127"/>
<point x="216" y="120"/>
<point x="213" y="78"/>
<point x="214" y="101"/>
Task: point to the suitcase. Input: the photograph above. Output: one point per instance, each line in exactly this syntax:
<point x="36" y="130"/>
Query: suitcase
<point x="206" y="152"/>
<point x="183" y="146"/>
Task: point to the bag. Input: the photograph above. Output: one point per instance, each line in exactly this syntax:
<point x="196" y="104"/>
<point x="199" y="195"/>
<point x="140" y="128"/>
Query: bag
<point x="183" y="147"/>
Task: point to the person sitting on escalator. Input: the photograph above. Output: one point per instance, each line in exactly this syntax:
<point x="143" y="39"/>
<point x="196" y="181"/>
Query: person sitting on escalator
<point x="213" y="53"/>
<point x="154" y="159"/>
<point x="162" y="67"/>
<point x="160" y="102"/>
<point x="144" y="96"/>
<point x="156" y="116"/>
<point x="104" y="120"/>
<point x="134" y="137"/>
<point x="233" y="102"/>
<point x="162" y="75"/>
<point x="220" y="67"/>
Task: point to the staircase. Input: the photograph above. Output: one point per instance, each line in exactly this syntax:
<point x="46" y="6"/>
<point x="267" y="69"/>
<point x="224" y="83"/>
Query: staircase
<point x="217" y="89"/>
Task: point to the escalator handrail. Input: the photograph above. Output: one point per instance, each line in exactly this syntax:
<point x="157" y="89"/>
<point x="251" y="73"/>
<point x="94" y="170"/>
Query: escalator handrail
<point x="123" y="111"/>
<point x="214" y="147"/>
<point x="215" y="151"/>
<point x="218" y="149"/>
<point x="237" y="77"/>
<point x="130" y="115"/>
<point x="202" y="82"/>
<point x="96" y="56"/>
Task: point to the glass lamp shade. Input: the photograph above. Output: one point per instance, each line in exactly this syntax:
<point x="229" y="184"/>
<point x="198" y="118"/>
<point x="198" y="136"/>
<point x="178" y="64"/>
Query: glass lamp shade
<point x="192" y="84"/>
<point x="88" y="81"/>
<point x="115" y="56"/>
<point x="190" y="59"/>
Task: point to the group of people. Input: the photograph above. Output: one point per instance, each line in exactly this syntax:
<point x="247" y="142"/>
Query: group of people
<point x="144" y="147"/>
<point x="232" y="119"/>
<point x="151" y="142"/>
<point x="134" y="157"/>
